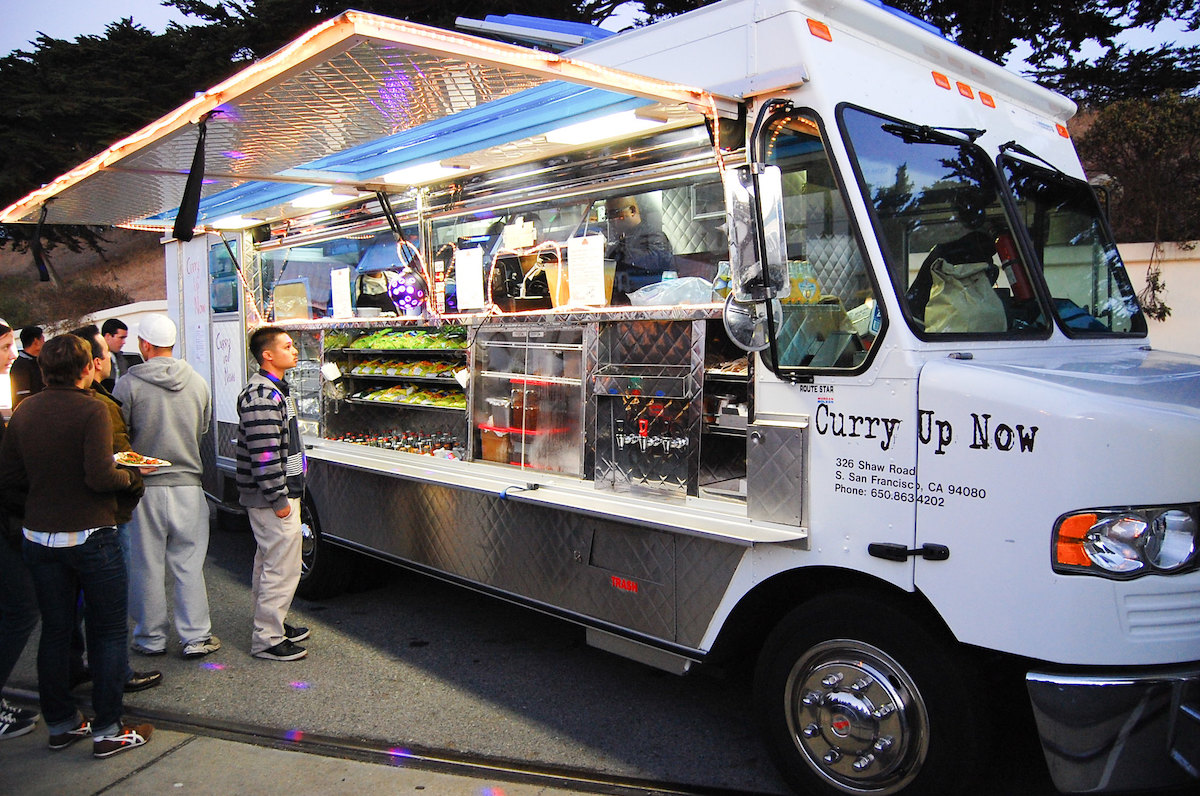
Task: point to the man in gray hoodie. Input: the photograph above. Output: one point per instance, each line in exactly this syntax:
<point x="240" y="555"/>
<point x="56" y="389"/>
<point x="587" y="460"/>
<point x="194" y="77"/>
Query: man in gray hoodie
<point x="167" y="405"/>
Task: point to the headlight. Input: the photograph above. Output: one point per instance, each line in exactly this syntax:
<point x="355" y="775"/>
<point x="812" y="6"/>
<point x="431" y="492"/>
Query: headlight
<point x="1127" y="543"/>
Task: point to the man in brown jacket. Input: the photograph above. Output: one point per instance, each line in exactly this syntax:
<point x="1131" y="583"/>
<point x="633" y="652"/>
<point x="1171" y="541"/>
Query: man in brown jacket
<point x="126" y="501"/>
<point x="58" y="452"/>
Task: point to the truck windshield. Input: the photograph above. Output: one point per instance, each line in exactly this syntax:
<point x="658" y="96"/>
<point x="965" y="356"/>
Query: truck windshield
<point x="1090" y="289"/>
<point x="936" y="205"/>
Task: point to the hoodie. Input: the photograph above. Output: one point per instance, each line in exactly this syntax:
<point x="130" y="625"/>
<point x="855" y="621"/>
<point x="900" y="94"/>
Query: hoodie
<point x="167" y="406"/>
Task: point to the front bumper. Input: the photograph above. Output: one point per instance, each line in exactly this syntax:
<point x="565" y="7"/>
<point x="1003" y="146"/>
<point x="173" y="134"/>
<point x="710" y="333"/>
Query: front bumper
<point x="1133" y="731"/>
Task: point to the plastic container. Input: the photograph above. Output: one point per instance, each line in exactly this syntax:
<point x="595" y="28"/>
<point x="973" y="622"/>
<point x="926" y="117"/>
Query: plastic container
<point x="495" y="445"/>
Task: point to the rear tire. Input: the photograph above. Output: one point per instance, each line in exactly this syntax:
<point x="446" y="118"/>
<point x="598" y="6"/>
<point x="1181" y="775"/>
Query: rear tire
<point x="855" y="696"/>
<point x="325" y="570"/>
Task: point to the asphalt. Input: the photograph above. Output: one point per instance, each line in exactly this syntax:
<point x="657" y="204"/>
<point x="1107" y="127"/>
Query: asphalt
<point x="182" y="761"/>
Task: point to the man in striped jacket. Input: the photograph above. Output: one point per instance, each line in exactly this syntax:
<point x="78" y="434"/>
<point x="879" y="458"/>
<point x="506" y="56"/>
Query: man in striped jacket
<point x="270" y="479"/>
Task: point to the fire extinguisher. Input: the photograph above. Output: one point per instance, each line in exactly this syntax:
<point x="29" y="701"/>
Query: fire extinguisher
<point x="1010" y="261"/>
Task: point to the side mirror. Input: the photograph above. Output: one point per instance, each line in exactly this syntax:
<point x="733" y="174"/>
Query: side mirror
<point x="746" y="323"/>
<point x="754" y="209"/>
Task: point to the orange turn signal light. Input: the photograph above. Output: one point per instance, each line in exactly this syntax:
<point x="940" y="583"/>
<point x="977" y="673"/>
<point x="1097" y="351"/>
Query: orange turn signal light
<point x="1072" y="532"/>
<point x="941" y="80"/>
<point x="820" y="30"/>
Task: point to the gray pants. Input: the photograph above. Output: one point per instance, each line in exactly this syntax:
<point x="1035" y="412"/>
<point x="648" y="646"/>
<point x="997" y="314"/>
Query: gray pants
<point x="276" y="572"/>
<point x="169" y="531"/>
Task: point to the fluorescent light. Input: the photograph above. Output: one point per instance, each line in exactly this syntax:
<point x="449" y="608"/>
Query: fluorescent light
<point x="235" y="222"/>
<point x="617" y="125"/>
<point x="325" y="197"/>
<point x="420" y="173"/>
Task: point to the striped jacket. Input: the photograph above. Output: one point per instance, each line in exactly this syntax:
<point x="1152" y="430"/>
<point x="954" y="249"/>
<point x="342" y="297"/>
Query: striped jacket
<point x="270" y="451"/>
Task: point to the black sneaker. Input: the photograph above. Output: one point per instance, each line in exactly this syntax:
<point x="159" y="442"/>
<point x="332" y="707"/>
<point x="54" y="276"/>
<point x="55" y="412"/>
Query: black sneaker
<point x="283" y="651"/>
<point x="64" y="739"/>
<point x="15" y="721"/>
<point x="294" y="634"/>
<point x="10" y="711"/>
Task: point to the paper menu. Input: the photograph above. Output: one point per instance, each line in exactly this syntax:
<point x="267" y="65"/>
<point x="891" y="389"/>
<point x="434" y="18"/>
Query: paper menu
<point x="585" y="263"/>
<point x="468" y="271"/>
<point x="339" y="280"/>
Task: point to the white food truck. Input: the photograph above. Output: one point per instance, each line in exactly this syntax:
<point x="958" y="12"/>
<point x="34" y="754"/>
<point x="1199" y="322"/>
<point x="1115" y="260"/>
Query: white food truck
<point x="783" y="328"/>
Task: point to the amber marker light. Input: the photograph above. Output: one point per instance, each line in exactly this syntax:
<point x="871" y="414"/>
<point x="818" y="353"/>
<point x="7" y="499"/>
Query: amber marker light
<point x="987" y="99"/>
<point x="941" y="80"/>
<point x="1072" y="533"/>
<point x="1062" y="130"/>
<point x="820" y="30"/>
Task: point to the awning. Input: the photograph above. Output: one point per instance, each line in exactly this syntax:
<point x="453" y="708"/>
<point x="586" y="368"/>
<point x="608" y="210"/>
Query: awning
<point x="356" y="104"/>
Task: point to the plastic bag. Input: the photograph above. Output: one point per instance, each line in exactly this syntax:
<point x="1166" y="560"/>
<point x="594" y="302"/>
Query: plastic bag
<point x="961" y="299"/>
<point x="685" y="290"/>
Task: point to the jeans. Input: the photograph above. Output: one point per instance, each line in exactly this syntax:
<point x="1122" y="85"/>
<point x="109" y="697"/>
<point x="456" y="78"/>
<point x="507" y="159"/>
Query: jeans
<point x="18" y="607"/>
<point x="97" y="568"/>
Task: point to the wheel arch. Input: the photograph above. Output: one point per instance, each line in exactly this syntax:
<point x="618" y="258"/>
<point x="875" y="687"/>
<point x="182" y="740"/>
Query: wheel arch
<point x="759" y="610"/>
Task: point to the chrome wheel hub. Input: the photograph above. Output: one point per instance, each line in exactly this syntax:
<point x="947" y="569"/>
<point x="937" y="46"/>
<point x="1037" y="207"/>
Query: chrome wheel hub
<point x="857" y="717"/>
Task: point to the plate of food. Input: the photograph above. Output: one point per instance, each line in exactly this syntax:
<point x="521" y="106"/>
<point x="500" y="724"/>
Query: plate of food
<point x="131" y="459"/>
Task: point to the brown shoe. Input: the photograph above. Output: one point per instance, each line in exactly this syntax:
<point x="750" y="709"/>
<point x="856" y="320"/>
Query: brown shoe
<point x="129" y="737"/>
<point x="64" y="739"/>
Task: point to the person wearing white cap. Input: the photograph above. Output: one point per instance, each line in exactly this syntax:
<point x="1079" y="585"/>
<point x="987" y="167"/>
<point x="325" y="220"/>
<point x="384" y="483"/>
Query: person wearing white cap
<point x="167" y="406"/>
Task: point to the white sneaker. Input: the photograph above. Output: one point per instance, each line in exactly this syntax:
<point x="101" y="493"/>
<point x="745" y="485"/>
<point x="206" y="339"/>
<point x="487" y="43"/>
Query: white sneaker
<point x="198" y="649"/>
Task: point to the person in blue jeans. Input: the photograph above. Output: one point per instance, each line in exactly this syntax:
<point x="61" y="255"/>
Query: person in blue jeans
<point x="57" y="451"/>
<point x="18" y="608"/>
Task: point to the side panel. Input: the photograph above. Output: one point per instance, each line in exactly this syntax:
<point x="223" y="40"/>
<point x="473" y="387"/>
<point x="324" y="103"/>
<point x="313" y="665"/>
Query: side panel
<point x="661" y="584"/>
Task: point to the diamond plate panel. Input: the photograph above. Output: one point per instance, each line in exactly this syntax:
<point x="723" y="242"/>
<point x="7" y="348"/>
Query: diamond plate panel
<point x="597" y="569"/>
<point x="645" y="438"/>
<point x="690" y="235"/>
<point x="775" y="472"/>
<point x="703" y="564"/>
<point x="838" y="265"/>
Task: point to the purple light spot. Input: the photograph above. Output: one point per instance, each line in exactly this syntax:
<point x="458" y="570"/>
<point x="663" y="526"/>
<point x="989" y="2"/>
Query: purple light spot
<point x="492" y="792"/>
<point x="208" y="181"/>
<point x="299" y="685"/>
<point x="214" y="667"/>
<point x="395" y="98"/>
<point x="294" y="735"/>
<point x="233" y="154"/>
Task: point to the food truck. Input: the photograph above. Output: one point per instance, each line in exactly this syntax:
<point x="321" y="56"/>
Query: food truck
<point x="782" y="328"/>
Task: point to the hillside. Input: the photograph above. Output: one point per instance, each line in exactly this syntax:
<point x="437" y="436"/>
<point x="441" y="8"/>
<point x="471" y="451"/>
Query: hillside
<point x="131" y="261"/>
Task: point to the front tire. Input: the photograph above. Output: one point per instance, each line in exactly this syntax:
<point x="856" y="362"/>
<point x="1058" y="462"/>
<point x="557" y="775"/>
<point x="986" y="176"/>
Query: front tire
<point x="855" y="696"/>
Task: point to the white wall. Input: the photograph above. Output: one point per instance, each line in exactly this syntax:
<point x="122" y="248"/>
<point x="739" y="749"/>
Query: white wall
<point x="130" y="314"/>
<point x="1181" y="274"/>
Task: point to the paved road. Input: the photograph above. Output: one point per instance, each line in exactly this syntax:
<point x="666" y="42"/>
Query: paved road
<point x="416" y="663"/>
<point x="411" y="663"/>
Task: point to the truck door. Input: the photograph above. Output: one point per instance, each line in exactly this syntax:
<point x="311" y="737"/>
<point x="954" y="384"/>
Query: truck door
<point x="829" y="374"/>
<point x="947" y="240"/>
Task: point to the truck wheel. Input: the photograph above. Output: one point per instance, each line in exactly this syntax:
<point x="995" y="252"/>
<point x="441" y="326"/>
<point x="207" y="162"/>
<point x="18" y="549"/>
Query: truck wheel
<point x="325" y="570"/>
<point x="857" y="697"/>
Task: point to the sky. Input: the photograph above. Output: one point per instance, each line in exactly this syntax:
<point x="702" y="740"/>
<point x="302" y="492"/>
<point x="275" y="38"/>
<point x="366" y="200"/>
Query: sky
<point x="21" y="20"/>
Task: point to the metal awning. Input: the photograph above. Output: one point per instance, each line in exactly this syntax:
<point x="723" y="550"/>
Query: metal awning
<point x="355" y="103"/>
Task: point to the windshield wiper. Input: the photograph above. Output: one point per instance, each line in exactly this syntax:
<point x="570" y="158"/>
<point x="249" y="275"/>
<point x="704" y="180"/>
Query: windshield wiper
<point x="924" y="134"/>
<point x="1013" y="146"/>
